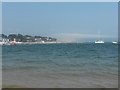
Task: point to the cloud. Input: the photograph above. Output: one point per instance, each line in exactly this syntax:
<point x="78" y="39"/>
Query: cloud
<point x="74" y="37"/>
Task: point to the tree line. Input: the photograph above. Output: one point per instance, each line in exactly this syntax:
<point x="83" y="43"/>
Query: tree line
<point x="27" y="38"/>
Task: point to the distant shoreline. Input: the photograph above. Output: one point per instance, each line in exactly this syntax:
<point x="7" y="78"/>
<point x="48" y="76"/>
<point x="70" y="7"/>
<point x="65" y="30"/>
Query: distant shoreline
<point x="37" y="43"/>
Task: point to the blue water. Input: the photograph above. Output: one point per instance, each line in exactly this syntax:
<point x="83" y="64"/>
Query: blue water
<point x="73" y="59"/>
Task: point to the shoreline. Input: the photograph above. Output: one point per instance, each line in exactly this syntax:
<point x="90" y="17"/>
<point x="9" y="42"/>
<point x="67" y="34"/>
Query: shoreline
<point x="52" y="80"/>
<point x="29" y="43"/>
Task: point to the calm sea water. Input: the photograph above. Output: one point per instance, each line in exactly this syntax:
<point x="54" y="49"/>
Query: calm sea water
<point x="60" y="65"/>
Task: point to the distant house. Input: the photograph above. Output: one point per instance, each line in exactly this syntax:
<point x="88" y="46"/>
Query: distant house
<point x="29" y="38"/>
<point x="38" y="39"/>
<point x="3" y="38"/>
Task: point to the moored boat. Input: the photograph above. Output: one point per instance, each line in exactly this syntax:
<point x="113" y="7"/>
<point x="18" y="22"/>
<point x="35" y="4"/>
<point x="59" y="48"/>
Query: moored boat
<point x="114" y="42"/>
<point x="99" y="41"/>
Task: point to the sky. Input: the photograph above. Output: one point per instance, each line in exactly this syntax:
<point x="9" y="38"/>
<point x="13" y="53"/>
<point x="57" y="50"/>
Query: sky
<point x="70" y="21"/>
<point x="0" y="17"/>
<point x="60" y="0"/>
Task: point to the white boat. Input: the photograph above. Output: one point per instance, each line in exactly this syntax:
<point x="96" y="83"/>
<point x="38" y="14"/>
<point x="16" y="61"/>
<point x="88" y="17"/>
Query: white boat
<point x="114" y="42"/>
<point x="99" y="41"/>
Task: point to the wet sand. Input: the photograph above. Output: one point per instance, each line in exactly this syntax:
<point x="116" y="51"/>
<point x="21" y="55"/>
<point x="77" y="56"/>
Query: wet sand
<point x="22" y="79"/>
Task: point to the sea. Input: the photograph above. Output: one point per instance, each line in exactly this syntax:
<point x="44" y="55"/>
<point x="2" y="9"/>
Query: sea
<point x="60" y="65"/>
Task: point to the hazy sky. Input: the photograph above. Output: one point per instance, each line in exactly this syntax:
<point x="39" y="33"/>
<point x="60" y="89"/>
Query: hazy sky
<point x="0" y="17"/>
<point x="65" y="21"/>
